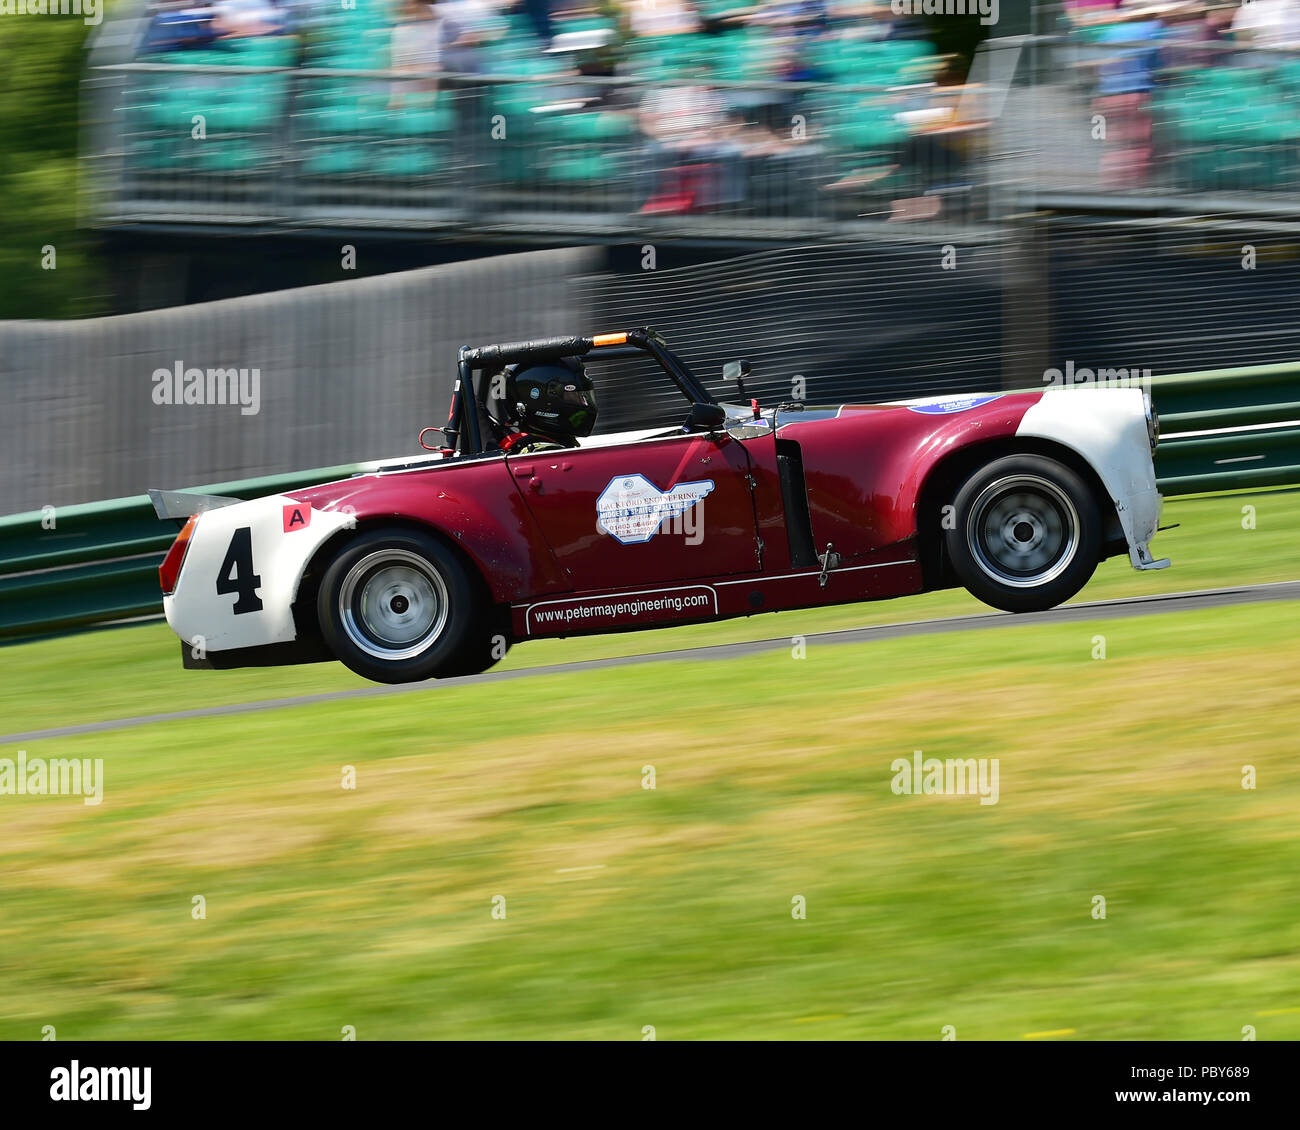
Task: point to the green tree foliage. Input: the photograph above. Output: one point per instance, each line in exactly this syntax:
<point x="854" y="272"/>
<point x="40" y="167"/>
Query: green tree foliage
<point x="41" y="63"/>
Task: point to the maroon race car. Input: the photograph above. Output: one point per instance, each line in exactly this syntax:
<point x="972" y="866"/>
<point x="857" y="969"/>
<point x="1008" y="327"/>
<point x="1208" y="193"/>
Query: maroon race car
<point x="522" y="523"/>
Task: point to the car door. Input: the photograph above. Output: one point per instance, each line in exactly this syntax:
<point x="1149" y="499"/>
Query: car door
<point x="645" y="512"/>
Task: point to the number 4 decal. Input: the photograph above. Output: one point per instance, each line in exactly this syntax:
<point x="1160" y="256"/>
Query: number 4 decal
<point x="236" y="574"/>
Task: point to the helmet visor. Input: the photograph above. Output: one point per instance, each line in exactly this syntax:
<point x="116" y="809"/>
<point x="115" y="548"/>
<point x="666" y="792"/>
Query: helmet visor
<point x="570" y="392"/>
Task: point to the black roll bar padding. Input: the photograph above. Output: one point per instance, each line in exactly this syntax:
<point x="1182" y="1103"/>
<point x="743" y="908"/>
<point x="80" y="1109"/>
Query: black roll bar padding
<point x="457" y="411"/>
<point x="613" y="352"/>
<point x="685" y="380"/>
<point x="470" y="421"/>
<point x="464" y="416"/>
<point x="544" y="349"/>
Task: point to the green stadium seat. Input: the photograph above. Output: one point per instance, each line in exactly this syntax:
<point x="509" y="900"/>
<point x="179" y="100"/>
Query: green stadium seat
<point x="333" y="160"/>
<point x="409" y="161"/>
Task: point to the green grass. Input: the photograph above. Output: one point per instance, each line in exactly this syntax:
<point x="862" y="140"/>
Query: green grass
<point x="671" y="907"/>
<point x="136" y="670"/>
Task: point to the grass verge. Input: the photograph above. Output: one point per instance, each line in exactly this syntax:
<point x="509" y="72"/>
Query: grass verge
<point x="136" y="670"/>
<point x="626" y="907"/>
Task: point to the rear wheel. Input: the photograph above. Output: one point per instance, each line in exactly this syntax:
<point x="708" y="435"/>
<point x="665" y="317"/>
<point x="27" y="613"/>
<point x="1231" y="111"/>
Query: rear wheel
<point x="1026" y="535"/>
<point x="397" y="606"/>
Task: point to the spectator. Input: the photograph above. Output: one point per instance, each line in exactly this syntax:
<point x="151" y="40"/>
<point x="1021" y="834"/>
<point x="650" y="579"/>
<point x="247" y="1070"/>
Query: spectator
<point x="701" y="150"/>
<point x="539" y="15"/>
<point x="439" y="35"/>
<point x="234" y="18"/>
<point x="1268" y="23"/>
<point x="177" y="24"/>
<point x="1124" y="98"/>
<point x="664" y="17"/>
<point x="465" y="25"/>
<point x="684" y="124"/>
<point x="1193" y="33"/>
<point x="417" y="46"/>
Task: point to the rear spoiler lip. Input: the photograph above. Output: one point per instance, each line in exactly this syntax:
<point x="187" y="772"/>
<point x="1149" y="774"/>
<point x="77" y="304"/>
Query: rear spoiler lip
<point x="179" y="505"/>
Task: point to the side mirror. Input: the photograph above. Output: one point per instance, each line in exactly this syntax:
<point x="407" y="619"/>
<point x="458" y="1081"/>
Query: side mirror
<point x="433" y="447"/>
<point x="705" y="418"/>
<point x="737" y="371"/>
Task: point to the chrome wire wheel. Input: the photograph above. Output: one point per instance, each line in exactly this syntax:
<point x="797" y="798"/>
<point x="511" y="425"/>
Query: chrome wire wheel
<point x="393" y="604"/>
<point x="1023" y="531"/>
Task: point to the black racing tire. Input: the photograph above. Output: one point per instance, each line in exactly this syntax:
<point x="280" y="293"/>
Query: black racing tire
<point x="1026" y="533"/>
<point x="398" y="606"/>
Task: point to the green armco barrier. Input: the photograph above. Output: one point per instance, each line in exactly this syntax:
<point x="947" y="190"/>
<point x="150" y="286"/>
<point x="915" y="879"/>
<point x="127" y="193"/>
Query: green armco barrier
<point x="1226" y="398"/>
<point x="1256" y="398"/>
<point x="75" y="566"/>
<point x="98" y="561"/>
<point x="1220" y="462"/>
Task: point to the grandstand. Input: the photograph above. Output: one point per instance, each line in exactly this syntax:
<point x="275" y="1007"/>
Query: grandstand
<point x="772" y="122"/>
<point x="1153" y="107"/>
<point x="768" y="118"/>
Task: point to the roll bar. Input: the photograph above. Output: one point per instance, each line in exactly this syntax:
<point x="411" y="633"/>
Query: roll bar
<point x="462" y="428"/>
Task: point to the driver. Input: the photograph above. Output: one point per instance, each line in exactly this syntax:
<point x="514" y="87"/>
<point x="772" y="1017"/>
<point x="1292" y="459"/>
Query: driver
<point x="552" y="404"/>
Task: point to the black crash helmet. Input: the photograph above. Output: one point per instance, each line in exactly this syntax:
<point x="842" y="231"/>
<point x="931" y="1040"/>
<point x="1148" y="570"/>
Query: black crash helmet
<point x="555" y="400"/>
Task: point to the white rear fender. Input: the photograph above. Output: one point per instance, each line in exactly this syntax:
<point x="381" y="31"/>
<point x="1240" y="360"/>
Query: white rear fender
<point x="1108" y="428"/>
<point x="242" y="570"/>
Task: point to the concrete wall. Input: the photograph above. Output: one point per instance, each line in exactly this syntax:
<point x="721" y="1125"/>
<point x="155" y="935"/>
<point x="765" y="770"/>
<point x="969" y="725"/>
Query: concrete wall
<point x="348" y="371"/>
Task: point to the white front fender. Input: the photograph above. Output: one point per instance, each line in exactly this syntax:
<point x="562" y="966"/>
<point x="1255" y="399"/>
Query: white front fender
<point x="1108" y="428"/>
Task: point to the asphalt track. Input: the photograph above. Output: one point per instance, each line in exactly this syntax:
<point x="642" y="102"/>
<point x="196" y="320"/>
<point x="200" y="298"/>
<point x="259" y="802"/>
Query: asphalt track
<point x="1068" y="613"/>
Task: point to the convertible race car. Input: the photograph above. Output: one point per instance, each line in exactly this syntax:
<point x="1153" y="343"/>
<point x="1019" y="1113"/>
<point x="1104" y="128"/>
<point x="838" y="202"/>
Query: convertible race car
<point x="521" y="523"/>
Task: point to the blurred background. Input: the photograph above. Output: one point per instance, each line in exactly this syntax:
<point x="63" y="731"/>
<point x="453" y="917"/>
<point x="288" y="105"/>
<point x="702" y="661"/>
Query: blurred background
<point x="482" y="121"/>
<point x="975" y="196"/>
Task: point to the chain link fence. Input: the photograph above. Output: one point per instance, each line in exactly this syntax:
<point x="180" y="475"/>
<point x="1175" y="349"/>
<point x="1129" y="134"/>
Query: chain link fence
<point x="350" y="371"/>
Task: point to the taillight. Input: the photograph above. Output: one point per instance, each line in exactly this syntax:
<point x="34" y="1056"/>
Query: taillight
<point x="170" y="569"/>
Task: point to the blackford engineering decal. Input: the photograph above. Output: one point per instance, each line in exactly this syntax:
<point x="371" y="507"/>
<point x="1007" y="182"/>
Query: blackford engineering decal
<point x="631" y="508"/>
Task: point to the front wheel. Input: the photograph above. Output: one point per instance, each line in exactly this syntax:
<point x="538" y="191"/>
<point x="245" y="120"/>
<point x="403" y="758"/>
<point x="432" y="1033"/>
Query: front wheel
<point x="1026" y="534"/>
<point x="397" y="606"/>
